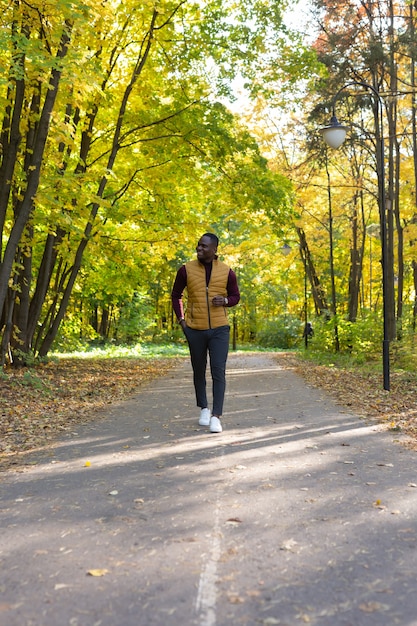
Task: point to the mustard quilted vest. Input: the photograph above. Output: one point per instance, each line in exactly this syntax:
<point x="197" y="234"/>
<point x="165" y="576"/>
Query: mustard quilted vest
<point x="201" y="314"/>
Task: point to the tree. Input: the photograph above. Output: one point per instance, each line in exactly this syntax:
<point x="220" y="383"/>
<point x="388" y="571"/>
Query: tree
<point x="115" y="119"/>
<point x="373" y="49"/>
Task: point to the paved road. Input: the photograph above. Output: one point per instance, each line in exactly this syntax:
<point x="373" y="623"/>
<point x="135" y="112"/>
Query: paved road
<point x="299" y="513"/>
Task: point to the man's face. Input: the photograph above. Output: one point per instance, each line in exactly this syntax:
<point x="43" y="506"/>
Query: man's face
<point x="206" y="250"/>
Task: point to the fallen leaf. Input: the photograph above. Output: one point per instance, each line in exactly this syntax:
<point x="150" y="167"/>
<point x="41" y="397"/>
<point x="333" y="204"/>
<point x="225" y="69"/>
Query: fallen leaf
<point x="235" y="598"/>
<point x="288" y="545"/>
<point x="372" y="607"/>
<point x="97" y="572"/>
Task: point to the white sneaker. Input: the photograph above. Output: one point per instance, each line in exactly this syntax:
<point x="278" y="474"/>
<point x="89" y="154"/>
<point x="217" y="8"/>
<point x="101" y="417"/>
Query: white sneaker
<point x="215" y="425"/>
<point x="204" y="417"/>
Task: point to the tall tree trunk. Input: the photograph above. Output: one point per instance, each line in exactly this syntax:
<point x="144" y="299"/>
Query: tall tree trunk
<point x="356" y="255"/>
<point x="20" y="339"/>
<point x="394" y="221"/>
<point x="10" y="133"/>
<point x="319" y="296"/>
<point x="414" y="137"/>
<point x="34" y="175"/>
<point x="415" y="295"/>
<point x="43" y="281"/>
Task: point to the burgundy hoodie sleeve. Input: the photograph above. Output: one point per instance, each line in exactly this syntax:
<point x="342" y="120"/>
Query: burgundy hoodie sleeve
<point x="180" y="284"/>
<point x="233" y="294"/>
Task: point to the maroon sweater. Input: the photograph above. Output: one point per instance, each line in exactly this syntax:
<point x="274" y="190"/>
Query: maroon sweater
<point x="180" y="284"/>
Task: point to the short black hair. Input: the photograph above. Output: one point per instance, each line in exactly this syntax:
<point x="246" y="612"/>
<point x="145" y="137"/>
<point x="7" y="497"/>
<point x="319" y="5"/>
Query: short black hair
<point x="213" y="237"/>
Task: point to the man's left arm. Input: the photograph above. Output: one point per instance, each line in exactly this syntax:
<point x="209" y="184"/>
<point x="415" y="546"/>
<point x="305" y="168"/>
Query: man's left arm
<point x="233" y="294"/>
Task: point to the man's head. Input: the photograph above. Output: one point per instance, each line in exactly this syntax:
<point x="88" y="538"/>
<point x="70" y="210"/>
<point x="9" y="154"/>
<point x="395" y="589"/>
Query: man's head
<point x="207" y="248"/>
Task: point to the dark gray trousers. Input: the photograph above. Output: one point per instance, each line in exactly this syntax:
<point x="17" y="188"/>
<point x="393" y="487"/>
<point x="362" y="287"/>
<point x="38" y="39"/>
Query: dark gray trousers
<point x="215" y="343"/>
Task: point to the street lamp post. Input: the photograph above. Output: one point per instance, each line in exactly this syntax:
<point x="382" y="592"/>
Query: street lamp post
<point x="334" y="135"/>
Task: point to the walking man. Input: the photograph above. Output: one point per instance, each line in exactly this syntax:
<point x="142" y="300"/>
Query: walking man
<point x="211" y="289"/>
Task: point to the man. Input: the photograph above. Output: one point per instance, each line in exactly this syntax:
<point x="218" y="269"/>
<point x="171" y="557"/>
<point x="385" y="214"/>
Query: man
<point x="211" y="288"/>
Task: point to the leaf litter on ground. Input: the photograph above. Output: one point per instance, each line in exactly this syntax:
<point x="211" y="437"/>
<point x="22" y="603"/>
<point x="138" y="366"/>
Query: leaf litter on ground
<point x="38" y="404"/>
<point x="362" y="393"/>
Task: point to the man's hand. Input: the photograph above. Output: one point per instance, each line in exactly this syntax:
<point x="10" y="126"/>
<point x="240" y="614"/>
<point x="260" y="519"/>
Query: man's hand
<point x="219" y="301"/>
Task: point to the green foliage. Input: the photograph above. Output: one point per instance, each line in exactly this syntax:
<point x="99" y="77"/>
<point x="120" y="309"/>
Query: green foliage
<point x="360" y="339"/>
<point x="112" y="350"/>
<point x="285" y="332"/>
<point x="30" y="379"/>
<point x="140" y="152"/>
<point x="134" y="319"/>
<point x="27" y="359"/>
<point x="404" y="352"/>
<point x="74" y="333"/>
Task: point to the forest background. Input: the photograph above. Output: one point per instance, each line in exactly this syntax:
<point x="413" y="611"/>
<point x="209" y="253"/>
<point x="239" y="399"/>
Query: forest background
<point x="128" y="129"/>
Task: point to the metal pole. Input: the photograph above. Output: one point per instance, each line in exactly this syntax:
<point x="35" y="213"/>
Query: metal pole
<point x="384" y="243"/>
<point x="383" y="220"/>
<point x="305" y="307"/>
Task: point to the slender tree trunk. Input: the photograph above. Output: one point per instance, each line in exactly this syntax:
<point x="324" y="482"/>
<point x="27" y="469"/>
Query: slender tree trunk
<point x="414" y="139"/>
<point x="414" y="263"/>
<point x="34" y="176"/>
<point x="394" y="184"/>
<point x="390" y="108"/>
<point x="20" y="339"/>
<point x="319" y="296"/>
<point x="8" y="327"/>
<point x="10" y="134"/>
<point x="356" y="256"/>
<point x="43" y="281"/>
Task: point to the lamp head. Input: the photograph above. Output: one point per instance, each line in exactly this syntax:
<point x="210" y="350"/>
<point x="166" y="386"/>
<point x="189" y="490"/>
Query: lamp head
<point x="286" y="249"/>
<point x="334" y="134"/>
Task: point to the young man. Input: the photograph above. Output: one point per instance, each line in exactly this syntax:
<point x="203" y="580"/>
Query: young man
<point x="211" y="289"/>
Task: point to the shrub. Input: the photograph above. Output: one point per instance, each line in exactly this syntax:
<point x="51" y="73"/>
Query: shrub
<point x="361" y="339"/>
<point x="284" y="332"/>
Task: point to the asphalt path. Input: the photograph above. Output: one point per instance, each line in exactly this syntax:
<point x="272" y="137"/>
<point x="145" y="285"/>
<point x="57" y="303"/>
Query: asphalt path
<point x="298" y="513"/>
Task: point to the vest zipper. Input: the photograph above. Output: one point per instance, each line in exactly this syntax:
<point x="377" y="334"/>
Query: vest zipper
<point x="208" y="306"/>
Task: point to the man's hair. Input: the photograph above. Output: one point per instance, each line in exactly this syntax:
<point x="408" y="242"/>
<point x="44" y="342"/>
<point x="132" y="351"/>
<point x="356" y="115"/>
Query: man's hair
<point x="213" y="237"/>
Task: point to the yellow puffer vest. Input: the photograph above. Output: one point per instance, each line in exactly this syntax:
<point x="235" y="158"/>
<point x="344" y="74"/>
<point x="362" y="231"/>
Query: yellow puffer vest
<point x="201" y="314"/>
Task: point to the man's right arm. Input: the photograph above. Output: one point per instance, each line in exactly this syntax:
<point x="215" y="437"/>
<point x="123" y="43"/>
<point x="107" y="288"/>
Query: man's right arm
<point x="180" y="284"/>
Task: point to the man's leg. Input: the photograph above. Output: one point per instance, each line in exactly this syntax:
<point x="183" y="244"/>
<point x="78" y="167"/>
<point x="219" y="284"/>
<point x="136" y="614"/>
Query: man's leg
<point x="218" y="350"/>
<point x="197" y="343"/>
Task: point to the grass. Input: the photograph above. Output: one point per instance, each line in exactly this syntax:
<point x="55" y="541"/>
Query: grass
<point x="114" y="351"/>
<point x="141" y="350"/>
